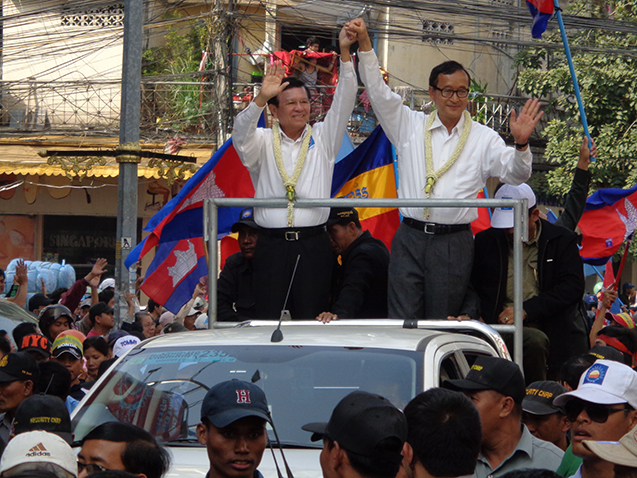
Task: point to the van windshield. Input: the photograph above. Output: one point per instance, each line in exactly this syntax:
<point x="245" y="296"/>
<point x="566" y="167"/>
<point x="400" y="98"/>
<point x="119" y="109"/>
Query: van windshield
<point x="162" y="391"/>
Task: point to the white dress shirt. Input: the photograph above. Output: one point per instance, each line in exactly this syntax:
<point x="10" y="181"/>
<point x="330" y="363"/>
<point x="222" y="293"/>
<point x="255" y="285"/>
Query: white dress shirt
<point x="485" y="154"/>
<point x="255" y="149"/>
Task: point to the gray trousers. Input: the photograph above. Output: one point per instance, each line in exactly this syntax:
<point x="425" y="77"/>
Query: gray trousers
<point x="428" y="274"/>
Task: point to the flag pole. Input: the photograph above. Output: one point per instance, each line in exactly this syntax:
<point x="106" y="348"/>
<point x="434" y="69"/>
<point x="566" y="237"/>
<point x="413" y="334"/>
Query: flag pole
<point x="571" y="67"/>
<point x="618" y="277"/>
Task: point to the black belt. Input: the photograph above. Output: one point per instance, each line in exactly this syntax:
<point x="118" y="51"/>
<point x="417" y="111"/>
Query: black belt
<point x="295" y="233"/>
<point x="433" y="228"/>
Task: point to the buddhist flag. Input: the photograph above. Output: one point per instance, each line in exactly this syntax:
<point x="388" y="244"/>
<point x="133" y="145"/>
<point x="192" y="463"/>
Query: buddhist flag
<point x="368" y="172"/>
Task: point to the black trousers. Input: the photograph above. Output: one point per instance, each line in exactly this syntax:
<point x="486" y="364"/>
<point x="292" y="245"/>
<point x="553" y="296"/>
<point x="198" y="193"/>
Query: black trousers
<point x="274" y="260"/>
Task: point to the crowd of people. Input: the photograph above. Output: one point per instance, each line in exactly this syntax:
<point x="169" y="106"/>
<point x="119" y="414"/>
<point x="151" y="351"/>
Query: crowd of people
<point x="572" y="413"/>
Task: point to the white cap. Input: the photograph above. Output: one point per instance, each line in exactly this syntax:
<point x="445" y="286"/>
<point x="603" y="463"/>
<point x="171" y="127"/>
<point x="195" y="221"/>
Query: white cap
<point x="622" y="452"/>
<point x="106" y="283"/>
<point x="606" y="382"/>
<point x="201" y="322"/>
<point x="193" y="311"/>
<point x="200" y="303"/>
<point x="502" y="217"/>
<point x="38" y="447"/>
<point x="123" y="344"/>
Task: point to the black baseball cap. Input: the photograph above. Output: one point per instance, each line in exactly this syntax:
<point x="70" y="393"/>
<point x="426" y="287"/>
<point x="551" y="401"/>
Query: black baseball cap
<point x="17" y="366"/>
<point x="342" y="216"/>
<point x="360" y="422"/>
<point x="492" y="373"/>
<point x="246" y="218"/>
<point x="606" y="352"/>
<point x="35" y="343"/>
<point x="539" y="397"/>
<point x="98" y="309"/>
<point x="38" y="300"/>
<point x="232" y="400"/>
<point x="43" y="412"/>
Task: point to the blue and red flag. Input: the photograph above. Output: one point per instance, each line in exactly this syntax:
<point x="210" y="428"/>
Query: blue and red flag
<point x="176" y="270"/>
<point x="541" y="11"/>
<point x="609" y="218"/>
<point x="182" y="218"/>
<point x="178" y="229"/>
<point x="368" y="172"/>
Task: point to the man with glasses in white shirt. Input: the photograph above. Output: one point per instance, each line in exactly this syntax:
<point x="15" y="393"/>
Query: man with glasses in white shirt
<point x="441" y="155"/>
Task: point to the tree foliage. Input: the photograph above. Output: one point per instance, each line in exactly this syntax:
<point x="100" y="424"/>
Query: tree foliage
<point x="608" y="83"/>
<point x="182" y="108"/>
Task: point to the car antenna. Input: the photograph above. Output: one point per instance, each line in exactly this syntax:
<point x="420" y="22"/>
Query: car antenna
<point x="277" y="335"/>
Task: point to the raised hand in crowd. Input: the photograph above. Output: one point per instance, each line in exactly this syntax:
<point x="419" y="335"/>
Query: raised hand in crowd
<point x="610" y="295"/>
<point x="21" y="280"/>
<point x="585" y="154"/>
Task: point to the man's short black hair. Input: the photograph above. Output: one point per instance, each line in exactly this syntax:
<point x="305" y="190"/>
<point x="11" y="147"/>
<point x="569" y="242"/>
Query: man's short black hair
<point x="373" y="467"/>
<point x="446" y="68"/>
<point x="106" y="295"/>
<point x="98" y="343"/>
<point x="572" y="370"/>
<point x="444" y="430"/>
<point x="152" y="305"/>
<point x="5" y="345"/>
<point x="142" y="453"/>
<point x="53" y="379"/>
<point x="292" y="83"/>
<point x="56" y="295"/>
<point x="311" y="41"/>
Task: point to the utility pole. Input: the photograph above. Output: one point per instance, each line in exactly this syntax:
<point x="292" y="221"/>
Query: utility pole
<point x="129" y="140"/>
<point x="223" y="36"/>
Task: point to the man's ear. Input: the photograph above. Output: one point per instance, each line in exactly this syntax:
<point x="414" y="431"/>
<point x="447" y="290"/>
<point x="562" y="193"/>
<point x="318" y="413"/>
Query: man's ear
<point x="632" y="419"/>
<point x="28" y="388"/>
<point x="408" y="453"/>
<point x="202" y="434"/>
<point x="338" y="457"/>
<point x="274" y="110"/>
<point x="566" y="425"/>
<point x="535" y="215"/>
<point x="507" y="406"/>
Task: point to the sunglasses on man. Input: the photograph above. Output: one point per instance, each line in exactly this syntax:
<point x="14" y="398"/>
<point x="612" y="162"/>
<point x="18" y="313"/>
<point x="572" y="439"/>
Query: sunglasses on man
<point x="596" y="412"/>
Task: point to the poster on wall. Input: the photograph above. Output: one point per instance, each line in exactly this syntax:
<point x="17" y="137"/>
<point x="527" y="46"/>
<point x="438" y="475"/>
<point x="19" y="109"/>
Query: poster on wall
<point x="17" y="238"/>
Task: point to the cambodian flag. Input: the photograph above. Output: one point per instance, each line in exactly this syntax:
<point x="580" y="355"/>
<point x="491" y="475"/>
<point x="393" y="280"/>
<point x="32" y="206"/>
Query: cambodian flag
<point x="175" y="271"/>
<point x="609" y="218"/>
<point x="542" y="11"/>
<point x="182" y="218"/>
<point x="177" y="229"/>
<point x="368" y="172"/>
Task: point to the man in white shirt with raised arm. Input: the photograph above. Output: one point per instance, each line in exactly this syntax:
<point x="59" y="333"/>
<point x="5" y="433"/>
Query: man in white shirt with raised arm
<point x="293" y="160"/>
<point x="442" y="155"/>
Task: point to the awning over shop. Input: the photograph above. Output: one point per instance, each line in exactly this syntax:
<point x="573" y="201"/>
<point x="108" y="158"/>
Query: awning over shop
<point x="20" y="157"/>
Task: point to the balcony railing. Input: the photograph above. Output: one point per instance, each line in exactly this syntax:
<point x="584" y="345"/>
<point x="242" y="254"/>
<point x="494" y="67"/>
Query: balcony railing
<point x="184" y="108"/>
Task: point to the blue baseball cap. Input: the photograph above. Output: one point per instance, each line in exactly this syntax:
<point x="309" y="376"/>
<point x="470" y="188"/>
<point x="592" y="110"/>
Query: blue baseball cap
<point x="229" y="401"/>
